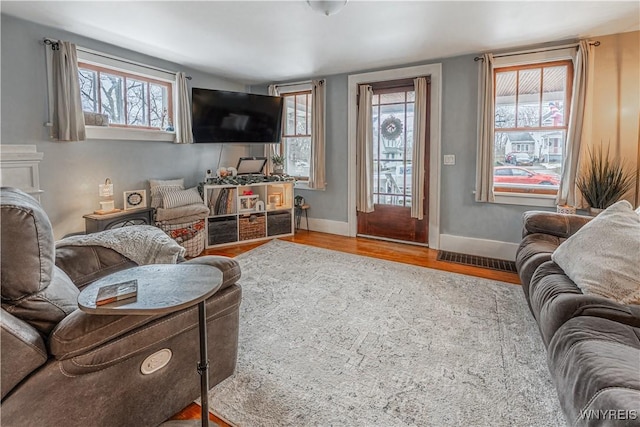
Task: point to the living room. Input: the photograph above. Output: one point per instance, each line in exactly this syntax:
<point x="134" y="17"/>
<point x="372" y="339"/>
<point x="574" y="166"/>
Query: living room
<point x="70" y="172"/>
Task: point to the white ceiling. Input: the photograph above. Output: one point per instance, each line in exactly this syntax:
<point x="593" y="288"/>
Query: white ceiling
<point x="266" y="41"/>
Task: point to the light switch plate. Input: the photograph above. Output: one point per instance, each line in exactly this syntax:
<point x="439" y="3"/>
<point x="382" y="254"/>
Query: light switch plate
<point x="449" y="159"/>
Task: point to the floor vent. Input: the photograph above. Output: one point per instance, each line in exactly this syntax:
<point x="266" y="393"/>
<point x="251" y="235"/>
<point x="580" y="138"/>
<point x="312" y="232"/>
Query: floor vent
<point x="478" y="261"/>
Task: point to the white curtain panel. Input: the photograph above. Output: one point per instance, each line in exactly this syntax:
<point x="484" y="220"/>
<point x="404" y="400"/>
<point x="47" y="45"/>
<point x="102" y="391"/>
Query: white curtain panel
<point x="68" y="119"/>
<point x="271" y="149"/>
<point x="317" y="178"/>
<point x="486" y="115"/>
<point x="364" y="150"/>
<point x="568" y="193"/>
<point x="184" y="134"/>
<point x="419" y="147"/>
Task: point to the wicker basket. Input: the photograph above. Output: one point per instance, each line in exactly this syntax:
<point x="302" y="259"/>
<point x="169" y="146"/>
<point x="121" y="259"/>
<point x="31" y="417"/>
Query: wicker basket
<point x="189" y="235"/>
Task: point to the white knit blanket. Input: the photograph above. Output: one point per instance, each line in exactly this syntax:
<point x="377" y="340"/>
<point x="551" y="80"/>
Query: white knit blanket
<point x="142" y="244"/>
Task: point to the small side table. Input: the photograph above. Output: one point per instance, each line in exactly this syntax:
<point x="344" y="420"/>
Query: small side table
<point x="158" y="294"/>
<point x="299" y="209"/>
<point x="94" y="222"/>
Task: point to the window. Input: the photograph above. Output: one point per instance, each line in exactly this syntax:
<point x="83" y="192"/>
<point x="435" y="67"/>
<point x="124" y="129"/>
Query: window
<point x="531" y="116"/>
<point x="296" y="137"/>
<point x="128" y="100"/>
<point x="392" y="113"/>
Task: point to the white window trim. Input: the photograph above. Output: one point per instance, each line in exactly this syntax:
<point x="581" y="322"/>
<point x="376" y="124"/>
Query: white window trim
<point x="537" y="200"/>
<point x="125" y="65"/>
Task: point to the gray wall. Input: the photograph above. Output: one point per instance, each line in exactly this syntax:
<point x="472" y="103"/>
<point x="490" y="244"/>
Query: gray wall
<point x="460" y="215"/>
<point x="71" y="171"/>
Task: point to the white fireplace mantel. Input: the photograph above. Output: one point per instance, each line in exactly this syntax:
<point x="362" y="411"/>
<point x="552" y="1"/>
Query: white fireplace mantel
<point x="19" y="168"/>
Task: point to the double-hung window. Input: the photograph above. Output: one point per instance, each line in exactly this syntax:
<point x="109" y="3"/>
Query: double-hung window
<point x="532" y="107"/>
<point x="296" y="135"/>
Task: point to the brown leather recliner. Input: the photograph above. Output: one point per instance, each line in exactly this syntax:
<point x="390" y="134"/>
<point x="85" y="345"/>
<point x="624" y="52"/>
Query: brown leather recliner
<point x="63" y="367"/>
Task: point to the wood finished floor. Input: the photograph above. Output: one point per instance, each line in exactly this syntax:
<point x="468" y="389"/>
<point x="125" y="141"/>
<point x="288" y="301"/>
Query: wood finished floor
<point x="391" y="251"/>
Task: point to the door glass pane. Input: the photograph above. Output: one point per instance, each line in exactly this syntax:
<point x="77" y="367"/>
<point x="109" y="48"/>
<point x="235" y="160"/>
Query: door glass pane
<point x="392" y="144"/>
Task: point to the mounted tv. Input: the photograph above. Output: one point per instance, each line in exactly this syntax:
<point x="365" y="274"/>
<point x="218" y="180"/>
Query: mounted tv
<point x="235" y="117"/>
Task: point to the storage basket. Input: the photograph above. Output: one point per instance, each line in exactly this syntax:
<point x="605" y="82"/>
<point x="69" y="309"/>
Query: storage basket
<point x="189" y="235"/>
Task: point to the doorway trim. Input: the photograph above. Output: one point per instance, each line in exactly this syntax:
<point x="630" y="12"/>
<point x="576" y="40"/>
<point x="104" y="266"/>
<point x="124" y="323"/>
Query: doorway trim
<point x="435" y="72"/>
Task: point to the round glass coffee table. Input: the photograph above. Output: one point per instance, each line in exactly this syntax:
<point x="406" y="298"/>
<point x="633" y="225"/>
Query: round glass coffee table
<point x="162" y="289"/>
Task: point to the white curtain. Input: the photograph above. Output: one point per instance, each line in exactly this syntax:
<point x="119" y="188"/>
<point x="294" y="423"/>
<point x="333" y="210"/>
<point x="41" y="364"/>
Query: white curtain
<point x="364" y="150"/>
<point x="184" y="134"/>
<point x="317" y="177"/>
<point x="271" y="149"/>
<point x="486" y="116"/>
<point x="568" y="194"/>
<point x="68" y="118"/>
<point x="419" y="147"/>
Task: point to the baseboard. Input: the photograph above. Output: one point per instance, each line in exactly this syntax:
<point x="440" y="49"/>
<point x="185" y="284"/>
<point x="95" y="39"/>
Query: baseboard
<point x="479" y="247"/>
<point x="326" y="226"/>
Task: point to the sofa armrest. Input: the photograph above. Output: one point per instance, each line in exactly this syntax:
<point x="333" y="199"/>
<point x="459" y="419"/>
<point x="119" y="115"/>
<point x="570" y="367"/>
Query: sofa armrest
<point x="228" y="266"/>
<point x="86" y="264"/>
<point x="552" y="223"/>
<point x="23" y="350"/>
<point x="109" y="340"/>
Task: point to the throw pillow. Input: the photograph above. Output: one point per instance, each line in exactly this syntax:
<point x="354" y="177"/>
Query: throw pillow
<point x="602" y="257"/>
<point x="175" y="199"/>
<point x="167" y="184"/>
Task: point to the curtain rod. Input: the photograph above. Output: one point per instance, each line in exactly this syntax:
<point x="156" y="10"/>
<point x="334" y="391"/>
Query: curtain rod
<point x="294" y="83"/>
<point x="479" y="58"/>
<point x="54" y="46"/>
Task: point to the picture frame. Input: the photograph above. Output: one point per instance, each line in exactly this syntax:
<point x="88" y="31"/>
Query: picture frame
<point x="275" y="199"/>
<point x="248" y="203"/>
<point x="135" y="199"/>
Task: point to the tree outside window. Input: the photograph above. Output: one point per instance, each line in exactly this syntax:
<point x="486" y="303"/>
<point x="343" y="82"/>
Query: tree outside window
<point x="129" y="100"/>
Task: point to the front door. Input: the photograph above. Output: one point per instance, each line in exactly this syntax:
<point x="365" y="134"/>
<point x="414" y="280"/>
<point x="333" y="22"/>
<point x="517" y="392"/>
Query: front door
<point x="393" y="117"/>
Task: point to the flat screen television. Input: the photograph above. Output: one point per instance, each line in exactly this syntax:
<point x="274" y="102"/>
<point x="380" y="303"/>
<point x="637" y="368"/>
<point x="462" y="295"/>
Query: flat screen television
<point x="235" y="117"/>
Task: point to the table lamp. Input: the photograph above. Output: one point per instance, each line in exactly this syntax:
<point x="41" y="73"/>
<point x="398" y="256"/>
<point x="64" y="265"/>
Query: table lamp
<point x="105" y="191"/>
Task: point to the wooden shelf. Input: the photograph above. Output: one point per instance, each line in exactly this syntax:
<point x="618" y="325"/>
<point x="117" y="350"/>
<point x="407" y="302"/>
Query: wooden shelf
<point x="248" y="213"/>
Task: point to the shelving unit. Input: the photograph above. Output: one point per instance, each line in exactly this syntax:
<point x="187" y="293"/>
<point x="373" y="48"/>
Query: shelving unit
<point x="245" y="213"/>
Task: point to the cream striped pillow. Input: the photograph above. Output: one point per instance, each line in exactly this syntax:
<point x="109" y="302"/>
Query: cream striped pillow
<point x="165" y="185"/>
<point x="174" y="199"/>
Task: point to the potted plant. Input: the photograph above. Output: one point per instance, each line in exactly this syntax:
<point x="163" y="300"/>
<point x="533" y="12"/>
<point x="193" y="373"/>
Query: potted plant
<point x="278" y="163"/>
<point x="603" y="181"/>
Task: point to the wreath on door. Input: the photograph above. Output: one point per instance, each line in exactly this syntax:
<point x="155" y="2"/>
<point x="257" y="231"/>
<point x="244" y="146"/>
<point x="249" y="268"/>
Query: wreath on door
<point x="391" y="128"/>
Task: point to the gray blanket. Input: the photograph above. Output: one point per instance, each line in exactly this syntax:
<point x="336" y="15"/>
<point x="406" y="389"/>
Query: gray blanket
<point x="142" y="244"/>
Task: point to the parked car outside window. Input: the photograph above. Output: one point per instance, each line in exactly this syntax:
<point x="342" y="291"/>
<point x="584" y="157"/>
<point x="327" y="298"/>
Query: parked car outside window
<point x="517" y="175"/>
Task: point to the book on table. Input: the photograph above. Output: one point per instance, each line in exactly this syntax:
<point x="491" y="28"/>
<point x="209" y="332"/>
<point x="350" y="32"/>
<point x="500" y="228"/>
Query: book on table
<point x="117" y="292"/>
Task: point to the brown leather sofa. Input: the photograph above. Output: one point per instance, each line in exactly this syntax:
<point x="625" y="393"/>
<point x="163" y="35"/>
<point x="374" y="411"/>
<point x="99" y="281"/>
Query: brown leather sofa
<point x="593" y="343"/>
<point x="63" y="367"/>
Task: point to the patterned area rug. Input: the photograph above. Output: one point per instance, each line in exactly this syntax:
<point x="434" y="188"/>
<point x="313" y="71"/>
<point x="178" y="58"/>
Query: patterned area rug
<point x="333" y="339"/>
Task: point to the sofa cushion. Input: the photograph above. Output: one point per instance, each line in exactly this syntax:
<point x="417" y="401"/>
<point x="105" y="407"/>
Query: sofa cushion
<point x="33" y="288"/>
<point x="595" y="365"/>
<point x="602" y="257"/>
<point x="27" y="246"/>
<point x="23" y="351"/>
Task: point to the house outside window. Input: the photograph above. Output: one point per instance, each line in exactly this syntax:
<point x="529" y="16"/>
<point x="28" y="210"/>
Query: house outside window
<point x="531" y="116"/>
<point x="296" y="136"/>
<point x="129" y="100"/>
